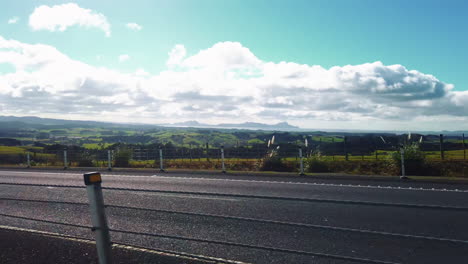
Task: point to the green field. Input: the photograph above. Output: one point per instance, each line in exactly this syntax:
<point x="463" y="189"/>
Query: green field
<point x="96" y="145"/>
<point x="18" y="150"/>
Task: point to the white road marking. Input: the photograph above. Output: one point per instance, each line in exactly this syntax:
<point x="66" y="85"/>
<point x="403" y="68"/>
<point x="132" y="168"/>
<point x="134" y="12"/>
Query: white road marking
<point x="175" y="178"/>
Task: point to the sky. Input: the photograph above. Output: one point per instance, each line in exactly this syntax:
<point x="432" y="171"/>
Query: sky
<point x="348" y="64"/>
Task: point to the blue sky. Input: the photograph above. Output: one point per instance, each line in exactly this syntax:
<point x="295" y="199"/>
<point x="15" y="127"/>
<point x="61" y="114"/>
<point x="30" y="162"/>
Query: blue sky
<point x="426" y="36"/>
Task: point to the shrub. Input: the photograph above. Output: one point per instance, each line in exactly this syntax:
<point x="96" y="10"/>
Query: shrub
<point x="274" y="163"/>
<point x="316" y="163"/>
<point x="85" y="160"/>
<point x="122" y="158"/>
<point x="415" y="161"/>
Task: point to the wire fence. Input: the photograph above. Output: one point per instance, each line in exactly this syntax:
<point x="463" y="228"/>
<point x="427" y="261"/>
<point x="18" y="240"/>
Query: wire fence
<point x="363" y="154"/>
<point x="148" y="157"/>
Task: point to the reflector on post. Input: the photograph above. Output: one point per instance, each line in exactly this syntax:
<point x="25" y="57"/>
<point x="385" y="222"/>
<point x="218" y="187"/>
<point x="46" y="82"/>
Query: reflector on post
<point x="92" y="178"/>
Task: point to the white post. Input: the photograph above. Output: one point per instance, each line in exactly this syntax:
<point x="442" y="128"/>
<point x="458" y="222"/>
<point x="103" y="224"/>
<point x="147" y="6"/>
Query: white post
<point x="109" y="160"/>
<point x="65" y="160"/>
<point x="301" y="162"/>
<point x="98" y="216"/>
<point x="29" y="160"/>
<point x="403" y="174"/>
<point x="222" y="160"/>
<point x="161" y="163"/>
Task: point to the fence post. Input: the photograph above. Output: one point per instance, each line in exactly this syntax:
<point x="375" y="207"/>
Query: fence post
<point x="441" y="141"/>
<point x="29" y="160"/>
<point x="161" y="163"/>
<point x="190" y="152"/>
<point x="98" y="216"/>
<point x="109" y="160"/>
<point x="345" y="140"/>
<point x="222" y="160"/>
<point x="65" y="160"/>
<point x="403" y="173"/>
<point x="301" y="162"/>
<point x="464" y="146"/>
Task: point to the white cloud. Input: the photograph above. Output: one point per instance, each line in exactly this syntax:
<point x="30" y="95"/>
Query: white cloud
<point x="141" y="72"/>
<point x="224" y="55"/>
<point x="61" y="17"/>
<point x="13" y="20"/>
<point x="124" y="58"/>
<point x="228" y="83"/>
<point x="176" y="55"/>
<point x="134" y="26"/>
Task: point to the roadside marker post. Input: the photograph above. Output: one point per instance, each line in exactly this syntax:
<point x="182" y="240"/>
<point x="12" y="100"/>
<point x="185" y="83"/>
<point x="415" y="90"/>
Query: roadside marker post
<point x="98" y="216"/>
<point x="65" y="160"/>
<point x="161" y="163"/>
<point x="28" y="160"/>
<point x="222" y="160"/>
<point x="301" y="160"/>
<point x="109" y="160"/>
<point x="403" y="173"/>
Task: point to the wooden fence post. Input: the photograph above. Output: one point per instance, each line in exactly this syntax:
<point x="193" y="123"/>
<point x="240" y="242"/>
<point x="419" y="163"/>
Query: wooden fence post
<point x="464" y="146"/>
<point x="441" y="141"/>
<point x="333" y="144"/>
<point x="345" y="139"/>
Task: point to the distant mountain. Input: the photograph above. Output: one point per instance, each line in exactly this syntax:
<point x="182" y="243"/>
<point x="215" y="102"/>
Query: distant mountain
<point x="46" y="121"/>
<point x="42" y="123"/>
<point x="252" y="125"/>
<point x="189" y="123"/>
<point x="13" y="123"/>
<point x="246" y="125"/>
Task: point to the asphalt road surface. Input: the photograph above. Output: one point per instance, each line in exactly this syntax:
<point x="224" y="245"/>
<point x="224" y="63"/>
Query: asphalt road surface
<point x="307" y="220"/>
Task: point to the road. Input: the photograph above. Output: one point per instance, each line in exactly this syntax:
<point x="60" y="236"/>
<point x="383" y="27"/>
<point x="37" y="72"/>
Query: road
<point x="388" y="221"/>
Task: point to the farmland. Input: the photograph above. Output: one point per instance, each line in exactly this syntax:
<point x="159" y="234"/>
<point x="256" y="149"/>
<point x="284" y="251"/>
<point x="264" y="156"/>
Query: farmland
<point x="199" y="148"/>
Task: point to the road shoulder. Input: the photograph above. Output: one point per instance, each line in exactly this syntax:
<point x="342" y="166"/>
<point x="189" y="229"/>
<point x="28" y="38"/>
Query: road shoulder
<point x="30" y="246"/>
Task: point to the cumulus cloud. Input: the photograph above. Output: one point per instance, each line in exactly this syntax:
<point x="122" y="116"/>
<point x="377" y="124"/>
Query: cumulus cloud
<point x="176" y="55"/>
<point x="13" y="20"/>
<point x="124" y="57"/>
<point x="224" y="55"/>
<point x="224" y="83"/>
<point x="61" y="17"/>
<point x="134" y="26"/>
